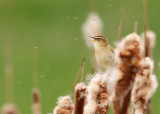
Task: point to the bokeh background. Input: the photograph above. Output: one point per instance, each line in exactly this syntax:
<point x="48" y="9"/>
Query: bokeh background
<point x="55" y="27"/>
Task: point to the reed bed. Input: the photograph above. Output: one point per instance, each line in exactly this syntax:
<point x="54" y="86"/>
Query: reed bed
<point x="129" y="80"/>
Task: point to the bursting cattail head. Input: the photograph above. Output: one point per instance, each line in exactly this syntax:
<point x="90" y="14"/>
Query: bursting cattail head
<point x="98" y="98"/>
<point x="144" y="86"/>
<point x="36" y="106"/>
<point x="9" y="108"/>
<point x="151" y="36"/>
<point x="126" y="48"/>
<point x="148" y="42"/>
<point x="80" y="98"/>
<point x="81" y="87"/>
<point x="65" y="106"/>
<point x="128" y="53"/>
<point x="92" y="27"/>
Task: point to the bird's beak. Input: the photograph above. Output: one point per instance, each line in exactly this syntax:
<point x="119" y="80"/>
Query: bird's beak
<point x="93" y="39"/>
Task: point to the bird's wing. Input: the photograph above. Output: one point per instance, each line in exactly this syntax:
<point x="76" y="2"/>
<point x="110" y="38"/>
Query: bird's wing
<point x="109" y="54"/>
<point x="109" y="46"/>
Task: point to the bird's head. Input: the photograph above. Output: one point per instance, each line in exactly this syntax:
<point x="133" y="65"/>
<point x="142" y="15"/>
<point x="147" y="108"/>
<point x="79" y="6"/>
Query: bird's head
<point x="99" y="41"/>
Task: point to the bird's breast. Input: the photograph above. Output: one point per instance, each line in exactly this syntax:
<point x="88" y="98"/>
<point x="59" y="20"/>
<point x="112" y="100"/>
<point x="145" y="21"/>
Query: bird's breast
<point x="104" y="57"/>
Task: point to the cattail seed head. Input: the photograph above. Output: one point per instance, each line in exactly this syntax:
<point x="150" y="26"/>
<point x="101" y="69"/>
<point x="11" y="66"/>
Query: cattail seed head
<point x="92" y="27"/>
<point x="36" y="106"/>
<point x="9" y="108"/>
<point x="148" y="42"/>
<point x="98" y="98"/>
<point x="151" y="36"/>
<point x="144" y="86"/>
<point x="80" y="98"/>
<point x="128" y="52"/>
<point x="65" y="106"/>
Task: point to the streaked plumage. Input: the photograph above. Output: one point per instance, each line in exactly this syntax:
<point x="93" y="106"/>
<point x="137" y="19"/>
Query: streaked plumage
<point x="103" y="52"/>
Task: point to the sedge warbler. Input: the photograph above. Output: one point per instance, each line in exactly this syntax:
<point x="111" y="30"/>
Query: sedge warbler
<point x="104" y="54"/>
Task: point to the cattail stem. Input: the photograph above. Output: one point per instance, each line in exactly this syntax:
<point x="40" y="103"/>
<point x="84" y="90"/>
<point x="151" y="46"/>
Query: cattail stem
<point x="8" y="71"/>
<point x="148" y="110"/>
<point x="149" y="38"/>
<point x="145" y="13"/>
<point x="82" y="73"/>
<point x="90" y="5"/>
<point x="145" y="40"/>
<point x="35" y="70"/>
<point x="120" y="27"/>
<point x="36" y="106"/>
<point x="135" y="27"/>
<point x="92" y="71"/>
<point x="77" y="77"/>
<point x="8" y="108"/>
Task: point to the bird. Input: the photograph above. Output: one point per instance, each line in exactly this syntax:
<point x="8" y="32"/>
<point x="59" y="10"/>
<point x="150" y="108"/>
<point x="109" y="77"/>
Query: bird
<point x="104" y="54"/>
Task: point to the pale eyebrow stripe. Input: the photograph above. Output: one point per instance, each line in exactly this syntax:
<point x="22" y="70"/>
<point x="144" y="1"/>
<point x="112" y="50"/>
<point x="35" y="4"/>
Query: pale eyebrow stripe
<point x="99" y="37"/>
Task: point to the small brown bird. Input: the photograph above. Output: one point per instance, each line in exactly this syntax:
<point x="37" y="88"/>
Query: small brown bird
<point x="104" y="54"/>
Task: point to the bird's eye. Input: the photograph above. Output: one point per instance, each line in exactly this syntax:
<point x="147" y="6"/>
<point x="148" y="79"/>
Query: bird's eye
<point x="98" y="38"/>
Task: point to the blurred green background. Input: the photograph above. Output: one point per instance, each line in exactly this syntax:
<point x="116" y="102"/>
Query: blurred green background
<point x="53" y="26"/>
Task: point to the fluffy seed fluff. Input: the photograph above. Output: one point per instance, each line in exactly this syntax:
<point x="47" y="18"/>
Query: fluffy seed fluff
<point x="128" y="52"/>
<point x="81" y="87"/>
<point x="98" y="98"/>
<point x="9" y="108"/>
<point x="151" y="36"/>
<point x="149" y="43"/>
<point x="65" y="106"/>
<point x="92" y="27"/>
<point x="80" y="98"/>
<point x="36" y="106"/>
<point x="144" y="86"/>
